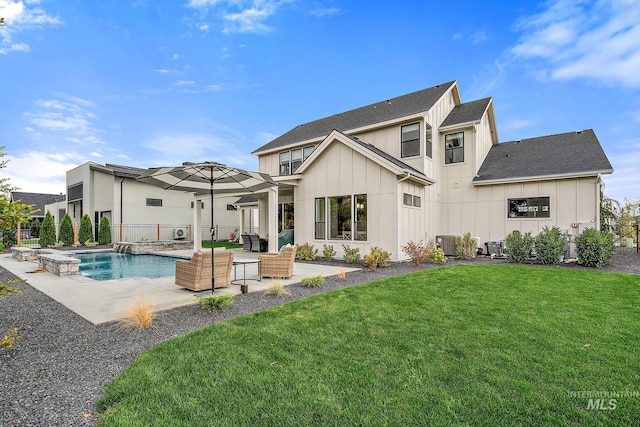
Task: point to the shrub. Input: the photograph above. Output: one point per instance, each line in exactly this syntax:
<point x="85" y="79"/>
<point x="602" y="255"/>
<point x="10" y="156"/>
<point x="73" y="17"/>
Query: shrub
<point x="9" y="237"/>
<point x="313" y="282"/>
<point x="550" y="245"/>
<point x="104" y="231"/>
<point x="8" y="340"/>
<point x="1" y="247"/>
<point x="34" y="227"/>
<point x="5" y="289"/>
<point x="47" y="231"/>
<point x="306" y="252"/>
<point x="519" y="246"/>
<point x="216" y="302"/>
<point x="376" y="258"/>
<point x="436" y="256"/>
<point x="417" y="252"/>
<point x="65" y="231"/>
<point x="466" y="246"/>
<point x="139" y="315"/>
<point x="594" y="248"/>
<point x="277" y="289"/>
<point x="328" y="252"/>
<point x="86" y="229"/>
<point x="351" y="255"/>
<point x="342" y="274"/>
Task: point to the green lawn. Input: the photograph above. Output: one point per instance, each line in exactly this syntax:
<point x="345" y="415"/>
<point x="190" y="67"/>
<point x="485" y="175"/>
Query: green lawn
<point x="465" y="345"/>
<point x="228" y="245"/>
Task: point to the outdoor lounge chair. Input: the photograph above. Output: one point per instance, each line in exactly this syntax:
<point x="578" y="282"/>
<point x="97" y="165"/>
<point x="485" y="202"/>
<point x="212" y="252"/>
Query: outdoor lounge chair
<point x="196" y="273"/>
<point x="258" y="244"/>
<point x="246" y="242"/>
<point x="279" y="264"/>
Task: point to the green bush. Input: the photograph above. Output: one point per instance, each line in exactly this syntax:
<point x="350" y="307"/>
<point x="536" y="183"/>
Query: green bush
<point x="306" y="252"/>
<point x="328" y="252"/>
<point x="351" y="255"/>
<point x="313" y="282"/>
<point x="436" y="256"/>
<point x="34" y="227"/>
<point x="376" y="258"/>
<point x="519" y="246"/>
<point x="594" y="248"/>
<point x="104" y="231"/>
<point x="466" y="246"/>
<point x="86" y="229"/>
<point x="47" y="231"/>
<point x="9" y="237"/>
<point x="66" y="231"/>
<point x="216" y="302"/>
<point x="550" y="245"/>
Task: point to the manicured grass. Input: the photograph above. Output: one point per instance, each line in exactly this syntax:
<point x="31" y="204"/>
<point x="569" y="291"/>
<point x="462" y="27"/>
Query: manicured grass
<point x="228" y="245"/>
<point x="464" y="345"/>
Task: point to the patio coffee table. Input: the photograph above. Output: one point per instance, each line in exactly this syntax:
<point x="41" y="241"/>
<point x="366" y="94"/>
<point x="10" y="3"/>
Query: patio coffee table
<point x="243" y="263"/>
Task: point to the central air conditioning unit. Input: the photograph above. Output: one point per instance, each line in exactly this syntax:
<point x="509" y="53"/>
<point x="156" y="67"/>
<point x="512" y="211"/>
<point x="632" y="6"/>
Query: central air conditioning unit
<point x="180" y="233"/>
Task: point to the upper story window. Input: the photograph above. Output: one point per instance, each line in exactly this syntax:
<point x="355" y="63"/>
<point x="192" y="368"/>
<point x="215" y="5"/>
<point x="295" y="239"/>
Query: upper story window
<point x="532" y="207"/>
<point x="410" y="140"/>
<point x="454" y="148"/>
<point x="291" y="160"/>
<point x="154" y="202"/>
<point x="428" y="138"/>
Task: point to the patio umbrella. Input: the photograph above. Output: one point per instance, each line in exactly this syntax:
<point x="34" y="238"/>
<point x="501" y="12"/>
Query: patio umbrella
<point x="208" y="178"/>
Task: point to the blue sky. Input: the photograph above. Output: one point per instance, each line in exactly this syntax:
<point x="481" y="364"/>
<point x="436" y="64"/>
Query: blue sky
<point x="148" y="83"/>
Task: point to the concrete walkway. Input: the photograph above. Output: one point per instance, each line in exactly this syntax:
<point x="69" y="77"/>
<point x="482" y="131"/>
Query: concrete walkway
<point x="105" y="301"/>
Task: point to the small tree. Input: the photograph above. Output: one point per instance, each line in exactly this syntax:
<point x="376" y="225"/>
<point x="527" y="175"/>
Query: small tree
<point x="65" y="234"/>
<point x="35" y="227"/>
<point x="104" y="232"/>
<point x="47" y="231"/>
<point x="86" y="229"/>
<point x="466" y="246"/>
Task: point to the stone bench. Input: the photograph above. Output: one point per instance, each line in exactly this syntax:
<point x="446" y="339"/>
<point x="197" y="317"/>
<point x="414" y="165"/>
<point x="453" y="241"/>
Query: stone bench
<point x="60" y="265"/>
<point x="23" y="254"/>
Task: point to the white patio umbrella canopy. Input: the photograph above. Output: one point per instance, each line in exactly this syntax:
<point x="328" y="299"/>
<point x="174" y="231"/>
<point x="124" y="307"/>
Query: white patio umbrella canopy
<point x="208" y="178"/>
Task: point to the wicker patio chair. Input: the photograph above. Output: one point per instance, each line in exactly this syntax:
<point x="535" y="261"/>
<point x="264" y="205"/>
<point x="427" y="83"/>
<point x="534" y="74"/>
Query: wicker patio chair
<point x="196" y="274"/>
<point x="278" y="264"/>
<point x="258" y="244"/>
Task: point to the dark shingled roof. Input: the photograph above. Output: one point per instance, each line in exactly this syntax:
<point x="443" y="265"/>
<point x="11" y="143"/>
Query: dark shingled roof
<point x="572" y="153"/>
<point x="393" y="108"/>
<point x="36" y="199"/>
<point x="467" y="112"/>
<point x="389" y="158"/>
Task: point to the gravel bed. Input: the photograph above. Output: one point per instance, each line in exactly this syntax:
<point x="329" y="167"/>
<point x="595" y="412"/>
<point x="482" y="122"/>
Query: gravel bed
<point x="54" y="374"/>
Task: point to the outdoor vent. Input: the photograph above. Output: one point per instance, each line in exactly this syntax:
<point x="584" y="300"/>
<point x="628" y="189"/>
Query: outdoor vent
<point x="179" y="233"/>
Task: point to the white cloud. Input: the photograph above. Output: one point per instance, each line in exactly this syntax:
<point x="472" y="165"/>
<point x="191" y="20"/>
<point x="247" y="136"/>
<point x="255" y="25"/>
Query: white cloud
<point x="515" y="124"/>
<point x="248" y="21"/>
<point x="479" y="37"/>
<point x="20" y="17"/>
<point x="39" y="172"/>
<point x="241" y="16"/>
<point x="72" y="117"/>
<point x="325" y="11"/>
<point x="583" y="39"/>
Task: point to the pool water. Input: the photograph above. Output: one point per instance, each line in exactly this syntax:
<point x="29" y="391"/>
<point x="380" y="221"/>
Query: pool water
<point x="111" y="265"/>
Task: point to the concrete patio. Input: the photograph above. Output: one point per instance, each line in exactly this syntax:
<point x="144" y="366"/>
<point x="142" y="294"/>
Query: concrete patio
<point x="105" y="301"/>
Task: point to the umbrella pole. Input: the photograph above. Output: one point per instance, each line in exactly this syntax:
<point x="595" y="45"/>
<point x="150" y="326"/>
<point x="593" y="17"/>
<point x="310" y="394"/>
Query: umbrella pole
<point x="213" y="276"/>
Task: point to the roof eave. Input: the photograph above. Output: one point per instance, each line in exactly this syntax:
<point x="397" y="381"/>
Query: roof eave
<point x="542" y="177"/>
<point x="457" y="126"/>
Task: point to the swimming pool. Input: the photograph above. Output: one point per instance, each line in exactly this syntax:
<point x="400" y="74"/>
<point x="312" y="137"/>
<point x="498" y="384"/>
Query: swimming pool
<point x="112" y="265"/>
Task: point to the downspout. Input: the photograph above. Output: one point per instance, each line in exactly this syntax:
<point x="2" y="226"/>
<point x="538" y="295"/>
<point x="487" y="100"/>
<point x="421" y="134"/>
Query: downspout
<point x="121" y="190"/>
<point x="598" y="201"/>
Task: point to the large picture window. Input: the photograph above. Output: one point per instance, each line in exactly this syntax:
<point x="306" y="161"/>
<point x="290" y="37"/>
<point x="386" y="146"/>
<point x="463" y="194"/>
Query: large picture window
<point x="410" y="140"/>
<point x="454" y="148"/>
<point x="341" y="217"/>
<point x="532" y="207"/>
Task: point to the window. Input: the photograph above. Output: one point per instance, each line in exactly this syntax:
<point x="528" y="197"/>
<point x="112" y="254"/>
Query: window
<point x="428" y="138"/>
<point x="411" y="200"/>
<point x="230" y="207"/>
<point x="410" y="140"/>
<point x="201" y="205"/>
<point x="320" y="218"/>
<point x="361" y="217"/>
<point x="340" y="217"/>
<point x="291" y="160"/>
<point x="154" y="202"/>
<point x="285" y="163"/>
<point x="454" y="148"/>
<point x="75" y="192"/>
<point x="532" y="207"/>
<point x="296" y="159"/>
